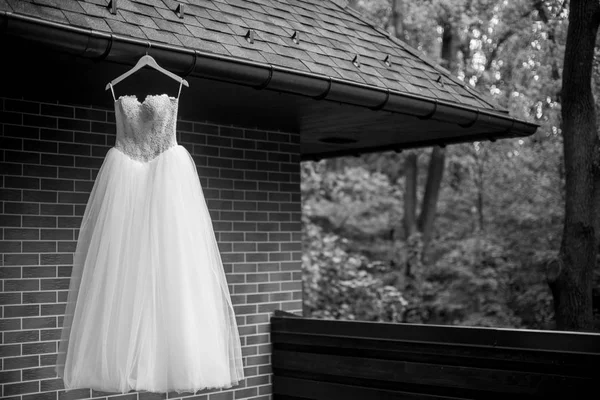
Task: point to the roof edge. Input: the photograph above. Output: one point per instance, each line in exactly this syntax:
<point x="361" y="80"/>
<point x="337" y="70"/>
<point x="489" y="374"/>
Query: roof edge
<point x="126" y="50"/>
<point x="423" y="57"/>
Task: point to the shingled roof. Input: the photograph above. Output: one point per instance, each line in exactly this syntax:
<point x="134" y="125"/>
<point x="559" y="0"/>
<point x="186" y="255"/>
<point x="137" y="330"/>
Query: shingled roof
<point x="325" y="39"/>
<point x="330" y="35"/>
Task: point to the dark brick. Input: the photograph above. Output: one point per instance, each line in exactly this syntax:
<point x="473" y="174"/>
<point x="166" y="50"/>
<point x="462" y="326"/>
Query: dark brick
<point x="39" y="373"/>
<point x="10" y="273"/>
<point x="20" y="362"/>
<point x="39" y="272"/>
<point x="270" y="246"/>
<point x="57" y="111"/>
<point x="22" y="106"/>
<point x="58" y="159"/>
<point x="21" y="208"/>
<point x="103" y="127"/>
<point x="56" y="135"/>
<point x="231" y="174"/>
<point x="231" y="132"/>
<point x="255" y="155"/>
<point x="268" y="287"/>
<point x="39" y="297"/>
<point x="209" y="151"/>
<point x="76" y="394"/>
<point x="256" y="195"/>
<point x="280" y="217"/>
<point x="21" y="234"/>
<point x="192" y="138"/>
<point x="11" y="350"/>
<point x="21" y="131"/>
<point x="10" y="220"/>
<point x="8" y="143"/>
<point x="100" y="151"/>
<point x="40" y="170"/>
<point x="20" y="388"/>
<point x="220" y="396"/>
<point x="6" y="299"/>
<point x="56" y="209"/>
<point x="10" y="194"/>
<point x="205" y="128"/>
<point x="21" y="259"/>
<point x="143" y="395"/>
<point x="40" y="396"/>
<point x="67" y="247"/>
<point x="74" y="173"/>
<point x="75" y="149"/>
<point x="255" y="135"/>
<point x="73" y="198"/>
<point x="21" y="182"/>
<point x="11" y="118"/>
<point x="57" y="234"/>
<point x="267" y="146"/>
<point x="90" y="138"/>
<point x="39" y="247"/>
<point x="88" y="114"/>
<point x="74" y="124"/>
<point x="39" y="121"/>
<point x="185" y="126"/>
<point x="256" y="236"/>
<point x="21" y="157"/>
<point x="22" y="336"/>
<point x="231" y="153"/>
<point x="38" y="323"/>
<point x="55" y="284"/>
<point x="41" y="348"/>
<point x="69" y="222"/>
<point x="10" y="376"/>
<point x="265" y="206"/>
<point x="39" y="222"/>
<point x="10" y="247"/>
<point x="53" y="309"/>
<point x="293" y="149"/>
<point x="58" y="184"/>
<point x="48" y="359"/>
<point x="56" y="258"/>
<point x="88" y="162"/>
<point x="80" y="209"/>
<point x="218" y="141"/>
<point x="257" y="298"/>
<point x="39" y="196"/>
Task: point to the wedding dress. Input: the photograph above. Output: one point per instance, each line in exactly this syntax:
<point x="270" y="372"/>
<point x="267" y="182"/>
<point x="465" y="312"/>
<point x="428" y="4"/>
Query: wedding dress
<point x="148" y="306"/>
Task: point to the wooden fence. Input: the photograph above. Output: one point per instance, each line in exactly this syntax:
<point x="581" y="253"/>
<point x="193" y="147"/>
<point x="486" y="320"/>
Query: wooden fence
<point x="328" y="359"/>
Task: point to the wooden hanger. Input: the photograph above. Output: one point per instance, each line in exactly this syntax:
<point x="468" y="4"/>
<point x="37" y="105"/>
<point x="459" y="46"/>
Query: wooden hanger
<point x="150" y="62"/>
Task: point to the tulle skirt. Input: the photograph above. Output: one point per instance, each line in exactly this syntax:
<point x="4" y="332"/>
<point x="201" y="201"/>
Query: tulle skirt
<point x="148" y="306"/>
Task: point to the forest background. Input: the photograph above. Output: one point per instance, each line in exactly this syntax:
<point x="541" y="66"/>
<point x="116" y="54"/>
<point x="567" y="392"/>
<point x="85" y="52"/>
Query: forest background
<point x="461" y="235"/>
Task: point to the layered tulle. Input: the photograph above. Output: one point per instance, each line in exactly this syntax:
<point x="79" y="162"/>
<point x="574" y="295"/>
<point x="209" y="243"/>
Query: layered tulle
<point x="148" y="306"/>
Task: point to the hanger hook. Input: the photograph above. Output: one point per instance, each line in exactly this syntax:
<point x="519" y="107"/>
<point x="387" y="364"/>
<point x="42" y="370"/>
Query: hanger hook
<point x="148" y="48"/>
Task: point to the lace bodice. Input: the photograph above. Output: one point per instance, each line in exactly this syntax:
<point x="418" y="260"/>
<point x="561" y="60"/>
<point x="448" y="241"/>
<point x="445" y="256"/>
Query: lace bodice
<point x="146" y="129"/>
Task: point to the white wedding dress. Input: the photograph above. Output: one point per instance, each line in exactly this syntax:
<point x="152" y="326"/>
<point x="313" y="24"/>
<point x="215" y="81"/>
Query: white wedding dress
<point x="148" y="305"/>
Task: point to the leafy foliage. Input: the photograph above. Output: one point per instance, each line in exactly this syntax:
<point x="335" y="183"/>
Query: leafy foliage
<point x="500" y="212"/>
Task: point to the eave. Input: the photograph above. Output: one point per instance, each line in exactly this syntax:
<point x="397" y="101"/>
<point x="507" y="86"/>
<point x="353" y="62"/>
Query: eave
<point x="377" y="119"/>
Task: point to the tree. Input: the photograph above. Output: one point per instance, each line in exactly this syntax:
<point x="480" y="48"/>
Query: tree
<point x="570" y="276"/>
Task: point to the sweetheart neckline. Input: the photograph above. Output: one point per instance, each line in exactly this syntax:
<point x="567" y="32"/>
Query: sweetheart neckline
<point x="133" y="96"/>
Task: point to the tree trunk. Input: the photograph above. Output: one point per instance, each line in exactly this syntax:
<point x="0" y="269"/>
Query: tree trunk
<point x="450" y="46"/>
<point x="571" y="283"/>
<point x="397" y="13"/>
<point x="410" y="194"/>
<point x="432" y="193"/>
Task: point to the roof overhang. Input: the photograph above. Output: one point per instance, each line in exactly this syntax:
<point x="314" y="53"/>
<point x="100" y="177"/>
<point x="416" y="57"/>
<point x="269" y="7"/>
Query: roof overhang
<point x="334" y="117"/>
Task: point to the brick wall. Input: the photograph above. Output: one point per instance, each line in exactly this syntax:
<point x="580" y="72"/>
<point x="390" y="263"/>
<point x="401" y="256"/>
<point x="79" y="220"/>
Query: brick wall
<point x="49" y="157"/>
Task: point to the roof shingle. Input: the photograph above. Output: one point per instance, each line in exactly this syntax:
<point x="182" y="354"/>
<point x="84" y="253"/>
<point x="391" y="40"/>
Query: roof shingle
<point x="330" y="33"/>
